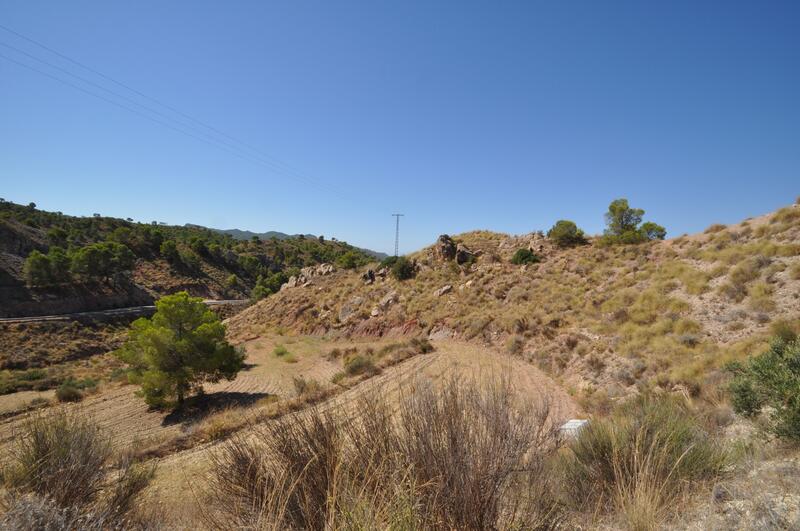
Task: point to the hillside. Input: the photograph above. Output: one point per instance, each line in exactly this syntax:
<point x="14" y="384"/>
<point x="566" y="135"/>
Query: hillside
<point x="158" y="259"/>
<point x="239" y="234"/>
<point x="605" y="320"/>
<point x="575" y="332"/>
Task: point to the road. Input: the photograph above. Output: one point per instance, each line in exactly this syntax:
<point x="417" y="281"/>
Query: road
<point x="131" y="311"/>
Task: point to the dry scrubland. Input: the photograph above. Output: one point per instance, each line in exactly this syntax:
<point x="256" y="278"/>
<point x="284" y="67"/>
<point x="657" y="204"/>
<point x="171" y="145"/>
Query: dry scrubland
<point x="604" y="321"/>
<point x="347" y="417"/>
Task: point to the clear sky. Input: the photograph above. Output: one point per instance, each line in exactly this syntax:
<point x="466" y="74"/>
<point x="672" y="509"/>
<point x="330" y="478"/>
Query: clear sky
<point x="461" y="115"/>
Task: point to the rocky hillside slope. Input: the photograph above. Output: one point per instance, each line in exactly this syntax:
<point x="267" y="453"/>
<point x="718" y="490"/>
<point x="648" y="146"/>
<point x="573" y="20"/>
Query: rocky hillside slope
<point x="167" y="259"/>
<point x="603" y="319"/>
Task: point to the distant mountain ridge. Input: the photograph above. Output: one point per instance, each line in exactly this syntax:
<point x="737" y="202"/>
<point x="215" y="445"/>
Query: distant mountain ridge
<point x="239" y="234"/>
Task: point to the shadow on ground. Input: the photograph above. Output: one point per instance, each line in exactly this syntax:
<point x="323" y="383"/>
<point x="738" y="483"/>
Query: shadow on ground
<point x="197" y="408"/>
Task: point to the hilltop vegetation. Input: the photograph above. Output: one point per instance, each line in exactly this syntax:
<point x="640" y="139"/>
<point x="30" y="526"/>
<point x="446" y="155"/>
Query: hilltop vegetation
<point x="48" y="255"/>
<point x="608" y="317"/>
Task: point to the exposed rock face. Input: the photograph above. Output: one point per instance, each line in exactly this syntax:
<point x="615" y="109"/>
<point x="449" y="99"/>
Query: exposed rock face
<point x="317" y="271"/>
<point x="388" y="299"/>
<point x="306" y="274"/>
<point x="350" y="308"/>
<point x="443" y="290"/>
<point x="463" y="254"/>
<point x="445" y="248"/>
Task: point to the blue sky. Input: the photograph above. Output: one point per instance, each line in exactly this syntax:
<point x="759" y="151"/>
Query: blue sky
<point x="461" y="115"/>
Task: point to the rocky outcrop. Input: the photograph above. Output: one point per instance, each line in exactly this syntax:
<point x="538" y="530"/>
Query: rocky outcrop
<point x="443" y="290"/>
<point x="306" y="274"/>
<point x="350" y="308"/>
<point x="463" y="254"/>
<point x="445" y="248"/>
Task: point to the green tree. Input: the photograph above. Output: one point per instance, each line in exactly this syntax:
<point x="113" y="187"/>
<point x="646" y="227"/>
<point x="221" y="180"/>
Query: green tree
<point x="37" y="269"/>
<point x="621" y="218"/>
<point x="59" y="264"/>
<point x="771" y="381"/>
<point x="565" y="233"/>
<point x="182" y="346"/>
<point x="102" y="260"/>
<point x="623" y="225"/>
<point x="653" y="231"/>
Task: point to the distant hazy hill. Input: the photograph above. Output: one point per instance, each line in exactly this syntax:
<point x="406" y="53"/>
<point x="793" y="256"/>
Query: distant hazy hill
<point x="248" y="235"/>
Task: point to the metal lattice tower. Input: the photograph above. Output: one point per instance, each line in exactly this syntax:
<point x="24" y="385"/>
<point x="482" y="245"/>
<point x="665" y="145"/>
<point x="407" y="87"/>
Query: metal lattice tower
<point x="397" y="232"/>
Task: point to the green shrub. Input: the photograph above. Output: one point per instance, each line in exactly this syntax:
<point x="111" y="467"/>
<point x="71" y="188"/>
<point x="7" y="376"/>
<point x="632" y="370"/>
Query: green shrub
<point x="525" y="256"/>
<point x="403" y="268"/>
<point x="68" y="392"/>
<point x="771" y="380"/>
<point x="566" y="234"/>
<point x="280" y="351"/>
<point x="351" y="260"/>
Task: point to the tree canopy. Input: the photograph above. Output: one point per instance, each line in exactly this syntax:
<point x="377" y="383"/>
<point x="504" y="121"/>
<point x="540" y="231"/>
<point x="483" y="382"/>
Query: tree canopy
<point x="566" y="234"/>
<point x="182" y="346"/>
<point x="623" y="225"/>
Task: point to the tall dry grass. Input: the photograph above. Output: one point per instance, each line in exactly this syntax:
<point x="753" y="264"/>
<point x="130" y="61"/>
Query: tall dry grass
<point x="463" y="456"/>
<point x="62" y="473"/>
<point x="641" y="460"/>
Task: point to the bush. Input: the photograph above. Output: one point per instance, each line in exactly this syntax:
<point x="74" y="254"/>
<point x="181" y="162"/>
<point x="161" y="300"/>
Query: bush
<point x="360" y="364"/>
<point x="566" y="234"/>
<point x="525" y="256"/>
<point x="280" y="351"/>
<point x="64" y="460"/>
<point x="463" y="457"/>
<point x="350" y="260"/>
<point x="640" y="459"/>
<point x="68" y="392"/>
<point x="403" y="268"/>
<point x="771" y="380"/>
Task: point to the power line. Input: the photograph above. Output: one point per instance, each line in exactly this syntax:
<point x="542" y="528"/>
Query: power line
<point x="397" y="232"/>
<point x="273" y="164"/>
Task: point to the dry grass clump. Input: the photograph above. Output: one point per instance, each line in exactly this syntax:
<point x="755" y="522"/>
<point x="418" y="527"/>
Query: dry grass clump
<point x="694" y="280"/>
<point x="641" y="460"/>
<point x="462" y="457"/>
<point x="760" y="297"/>
<point x="786" y="215"/>
<point x="62" y="474"/>
<point x="741" y="275"/>
<point x="716" y="227"/>
<point x="794" y="271"/>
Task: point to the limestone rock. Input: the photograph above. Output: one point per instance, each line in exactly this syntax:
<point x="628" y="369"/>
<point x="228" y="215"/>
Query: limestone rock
<point x="443" y="290"/>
